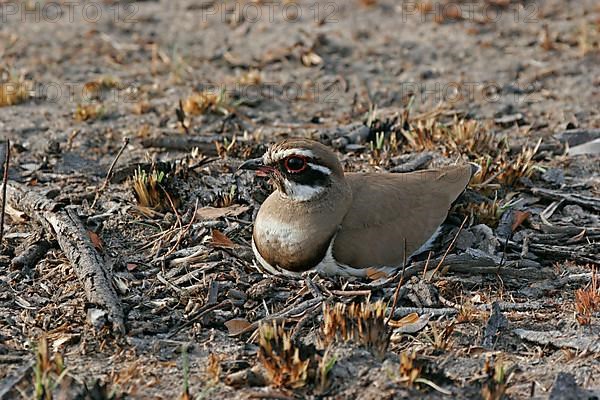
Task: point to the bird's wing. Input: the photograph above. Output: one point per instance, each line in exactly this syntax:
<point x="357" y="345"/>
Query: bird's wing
<point x="388" y="209"/>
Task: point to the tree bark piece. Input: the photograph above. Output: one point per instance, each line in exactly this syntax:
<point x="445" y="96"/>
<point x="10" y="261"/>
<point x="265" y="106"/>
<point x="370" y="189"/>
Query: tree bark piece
<point x="74" y="241"/>
<point x="573" y="340"/>
<point x="496" y="323"/>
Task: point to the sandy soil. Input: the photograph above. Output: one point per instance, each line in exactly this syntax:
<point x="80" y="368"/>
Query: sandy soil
<point x="98" y="72"/>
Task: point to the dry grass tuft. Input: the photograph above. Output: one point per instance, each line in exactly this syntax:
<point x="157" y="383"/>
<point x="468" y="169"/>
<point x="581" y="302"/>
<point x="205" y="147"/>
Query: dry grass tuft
<point x="363" y="324"/>
<point x="233" y="148"/>
<point x="151" y="191"/>
<point x="213" y="369"/>
<point x="93" y="90"/>
<point x="468" y="312"/>
<point x="441" y="336"/>
<point x="409" y="370"/>
<point x="226" y="199"/>
<point x="281" y="357"/>
<point x="505" y="169"/>
<point x="462" y="136"/>
<point x="206" y="102"/>
<point x="587" y="301"/>
<point x="487" y="213"/>
<point x="511" y="170"/>
<point x="88" y="112"/>
<point x="13" y="92"/>
<point x="475" y="141"/>
<point x="326" y="364"/>
<point x="250" y="78"/>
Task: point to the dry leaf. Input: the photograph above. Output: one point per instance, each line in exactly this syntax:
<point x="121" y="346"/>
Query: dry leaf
<point x="131" y="266"/>
<point x="220" y="240"/>
<point x="519" y="218"/>
<point x="406" y="320"/>
<point x="237" y="326"/>
<point x="96" y="241"/>
<point x="374" y="274"/>
<point x="411" y="325"/>
<point x="211" y="213"/>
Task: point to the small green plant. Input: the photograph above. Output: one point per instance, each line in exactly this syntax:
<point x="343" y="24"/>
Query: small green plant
<point x="326" y="364"/>
<point x="496" y="383"/>
<point x="151" y="191"/>
<point x="49" y="371"/>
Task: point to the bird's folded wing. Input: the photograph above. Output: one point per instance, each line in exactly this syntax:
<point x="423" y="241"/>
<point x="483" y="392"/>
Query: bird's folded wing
<point x="389" y="209"/>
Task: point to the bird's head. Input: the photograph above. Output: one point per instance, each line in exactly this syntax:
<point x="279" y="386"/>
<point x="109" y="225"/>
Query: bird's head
<point x="300" y="169"/>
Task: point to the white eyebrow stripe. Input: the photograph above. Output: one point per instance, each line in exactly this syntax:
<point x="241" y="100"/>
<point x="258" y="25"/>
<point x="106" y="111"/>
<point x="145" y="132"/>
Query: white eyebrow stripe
<point x="320" y="168"/>
<point x="291" y="152"/>
<point x="281" y="154"/>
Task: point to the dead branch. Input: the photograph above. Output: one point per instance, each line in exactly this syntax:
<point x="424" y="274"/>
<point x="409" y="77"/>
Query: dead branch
<point x="184" y="143"/>
<point x="479" y="264"/>
<point x="588" y="202"/>
<point x="74" y="241"/>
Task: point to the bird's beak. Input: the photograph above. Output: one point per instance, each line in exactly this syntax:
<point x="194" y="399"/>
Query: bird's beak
<point x="256" y="164"/>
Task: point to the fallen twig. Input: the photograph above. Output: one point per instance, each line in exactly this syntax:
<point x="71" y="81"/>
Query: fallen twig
<point x="435" y="312"/>
<point x="4" y="185"/>
<point x="448" y="249"/>
<point x="588" y="202"/>
<point x="74" y="241"/>
<point x="110" y="171"/>
<point x="475" y="264"/>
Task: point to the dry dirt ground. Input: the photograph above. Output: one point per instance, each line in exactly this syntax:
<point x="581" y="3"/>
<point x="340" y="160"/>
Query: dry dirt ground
<point x="196" y="87"/>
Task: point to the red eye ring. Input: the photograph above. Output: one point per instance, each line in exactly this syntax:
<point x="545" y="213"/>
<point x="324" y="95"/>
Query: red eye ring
<point x="295" y="169"/>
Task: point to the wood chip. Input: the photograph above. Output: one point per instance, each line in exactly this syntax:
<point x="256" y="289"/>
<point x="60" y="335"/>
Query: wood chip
<point x="212" y="213"/>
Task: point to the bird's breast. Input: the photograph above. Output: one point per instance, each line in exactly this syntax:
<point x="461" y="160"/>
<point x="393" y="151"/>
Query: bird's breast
<point x="292" y="243"/>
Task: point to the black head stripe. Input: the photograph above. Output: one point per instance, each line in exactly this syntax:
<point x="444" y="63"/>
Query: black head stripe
<point x="309" y="176"/>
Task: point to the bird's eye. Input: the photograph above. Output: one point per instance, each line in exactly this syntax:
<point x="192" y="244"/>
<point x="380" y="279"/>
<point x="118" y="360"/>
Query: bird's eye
<point x="295" y="164"/>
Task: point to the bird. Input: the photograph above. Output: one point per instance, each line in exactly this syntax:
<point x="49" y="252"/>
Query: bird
<point x="345" y="224"/>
